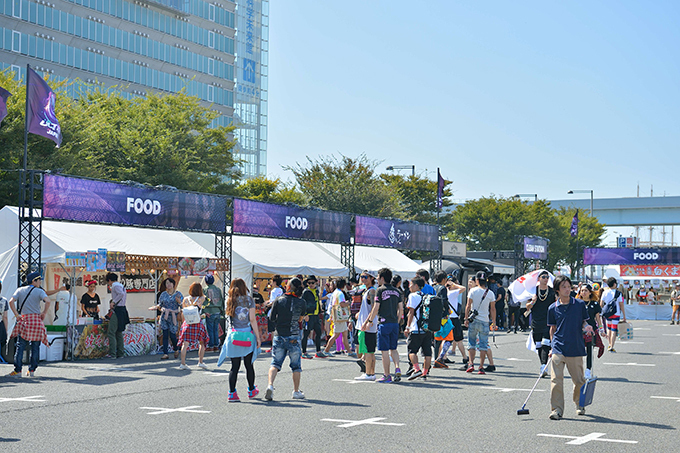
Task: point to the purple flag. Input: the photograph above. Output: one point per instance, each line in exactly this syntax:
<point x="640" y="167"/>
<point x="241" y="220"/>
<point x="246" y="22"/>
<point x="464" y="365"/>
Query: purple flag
<point x="4" y="94"/>
<point x="574" y="225"/>
<point x="41" y="119"/>
<point x="440" y="190"/>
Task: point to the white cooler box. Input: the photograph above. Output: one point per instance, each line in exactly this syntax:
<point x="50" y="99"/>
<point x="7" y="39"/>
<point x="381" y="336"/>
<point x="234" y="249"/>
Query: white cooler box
<point x="55" y="353"/>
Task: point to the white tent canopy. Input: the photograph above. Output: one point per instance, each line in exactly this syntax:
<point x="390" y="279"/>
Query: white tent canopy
<point x="58" y="238"/>
<point x="256" y="255"/>
<point x="375" y="258"/>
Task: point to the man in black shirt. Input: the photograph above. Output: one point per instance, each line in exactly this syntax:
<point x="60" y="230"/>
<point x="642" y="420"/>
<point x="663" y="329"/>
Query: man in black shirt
<point x="286" y="313"/>
<point x="312" y="309"/>
<point x="538" y="308"/>
<point x="388" y="310"/>
<point x="500" y="307"/>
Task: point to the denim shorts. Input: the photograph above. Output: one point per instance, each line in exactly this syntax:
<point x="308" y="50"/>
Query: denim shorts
<point x="478" y="330"/>
<point x="388" y="334"/>
<point x="289" y="346"/>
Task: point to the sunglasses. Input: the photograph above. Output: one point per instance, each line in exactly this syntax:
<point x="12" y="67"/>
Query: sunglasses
<point x="364" y="277"/>
<point x="544" y="276"/>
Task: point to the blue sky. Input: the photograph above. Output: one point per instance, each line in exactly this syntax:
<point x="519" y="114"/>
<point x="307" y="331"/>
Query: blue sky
<point x="505" y="97"/>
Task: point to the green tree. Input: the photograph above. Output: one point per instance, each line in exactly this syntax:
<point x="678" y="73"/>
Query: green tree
<point x="271" y="190"/>
<point x="346" y="184"/>
<point x="160" y="139"/>
<point x="492" y="224"/>
<point x="418" y="199"/>
<point x="590" y="234"/>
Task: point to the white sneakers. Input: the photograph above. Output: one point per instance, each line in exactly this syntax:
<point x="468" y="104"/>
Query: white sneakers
<point x="589" y="374"/>
<point x="269" y="394"/>
<point x="202" y="365"/>
<point x="183" y="367"/>
<point x="365" y="377"/>
<point x="299" y="395"/>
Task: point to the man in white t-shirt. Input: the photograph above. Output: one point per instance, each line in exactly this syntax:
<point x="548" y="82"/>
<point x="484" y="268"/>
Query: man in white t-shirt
<point x="613" y="296"/>
<point x="418" y="340"/>
<point x="482" y="301"/>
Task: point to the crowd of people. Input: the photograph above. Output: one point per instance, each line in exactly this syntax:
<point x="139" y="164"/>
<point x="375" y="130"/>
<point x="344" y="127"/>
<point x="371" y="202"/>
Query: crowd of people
<point x="359" y="318"/>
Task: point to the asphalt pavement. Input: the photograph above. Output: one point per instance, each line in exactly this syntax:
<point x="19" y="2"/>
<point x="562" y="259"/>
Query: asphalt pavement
<point x="141" y="404"/>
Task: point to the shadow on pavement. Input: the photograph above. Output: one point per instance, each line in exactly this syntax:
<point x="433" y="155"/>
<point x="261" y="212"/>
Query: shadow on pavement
<point x="626" y="380"/>
<point x="8" y="439"/>
<point x="600" y="419"/>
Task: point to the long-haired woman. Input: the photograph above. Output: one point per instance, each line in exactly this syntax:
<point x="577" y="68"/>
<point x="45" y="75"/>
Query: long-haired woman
<point x="240" y="311"/>
<point x="587" y="295"/>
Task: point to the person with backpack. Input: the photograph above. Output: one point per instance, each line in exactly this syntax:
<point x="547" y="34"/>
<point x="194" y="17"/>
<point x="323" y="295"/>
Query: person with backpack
<point x="612" y="311"/>
<point x="286" y="313"/>
<point x="513" y="313"/>
<point x="419" y="339"/>
<point x="313" y="307"/>
<point x="455" y="335"/>
<point x="480" y="305"/>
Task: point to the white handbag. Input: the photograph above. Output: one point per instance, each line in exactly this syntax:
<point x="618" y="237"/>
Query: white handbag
<point x="191" y="315"/>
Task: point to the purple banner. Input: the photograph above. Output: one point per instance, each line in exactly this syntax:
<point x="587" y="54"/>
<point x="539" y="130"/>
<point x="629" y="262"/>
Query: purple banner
<point x="85" y="200"/>
<point x="396" y="234"/>
<point x="535" y="248"/>
<point x="4" y="94"/>
<point x="41" y="102"/>
<point x="272" y="220"/>
<point x="668" y="255"/>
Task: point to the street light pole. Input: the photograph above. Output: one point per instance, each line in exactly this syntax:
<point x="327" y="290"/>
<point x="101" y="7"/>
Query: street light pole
<point x="584" y="191"/>
<point x="520" y="195"/>
<point x="403" y="167"/>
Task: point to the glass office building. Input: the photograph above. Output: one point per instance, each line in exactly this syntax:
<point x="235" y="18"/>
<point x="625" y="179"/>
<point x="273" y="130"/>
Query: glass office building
<point x="215" y="50"/>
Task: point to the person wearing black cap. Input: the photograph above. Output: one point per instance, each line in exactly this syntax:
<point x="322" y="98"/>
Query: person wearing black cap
<point x="213" y="309"/>
<point x="538" y="308"/>
<point x="311" y="297"/>
<point x="30" y="326"/>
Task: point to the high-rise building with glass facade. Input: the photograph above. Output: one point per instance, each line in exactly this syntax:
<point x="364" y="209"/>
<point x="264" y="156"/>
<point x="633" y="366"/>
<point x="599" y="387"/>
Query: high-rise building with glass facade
<point x="216" y="50"/>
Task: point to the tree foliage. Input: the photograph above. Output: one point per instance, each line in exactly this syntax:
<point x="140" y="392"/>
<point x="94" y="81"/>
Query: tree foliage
<point x="271" y="190"/>
<point x="346" y="184"/>
<point x="160" y="139"/>
<point x="492" y="224"/>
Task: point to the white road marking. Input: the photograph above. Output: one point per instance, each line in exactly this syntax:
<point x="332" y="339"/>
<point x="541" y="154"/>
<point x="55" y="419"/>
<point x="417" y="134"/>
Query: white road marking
<point x="368" y="421"/>
<point x="164" y="410"/>
<point x="354" y="381"/>
<point x="587" y="438"/>
<point x="29" y="399"/>
<point x="676" y="398"/>
<point x="671" y="335"/>
<point x="674" y="353"/>
<point x="519" y="360"/>
<point x="109" y="369"/>
<point x="506" y="390"/>
<point x="630" y="364"/>
<point x="641" y="328"/>
<point x="630" y="342"/>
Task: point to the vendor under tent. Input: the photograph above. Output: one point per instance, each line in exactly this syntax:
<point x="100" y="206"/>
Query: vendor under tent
<point x="61" y="238"/>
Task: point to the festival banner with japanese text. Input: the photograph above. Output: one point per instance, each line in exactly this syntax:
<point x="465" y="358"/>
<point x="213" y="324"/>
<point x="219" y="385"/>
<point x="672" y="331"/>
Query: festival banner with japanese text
<point x="660" y="270"/>
<point x="396" y="234"/>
